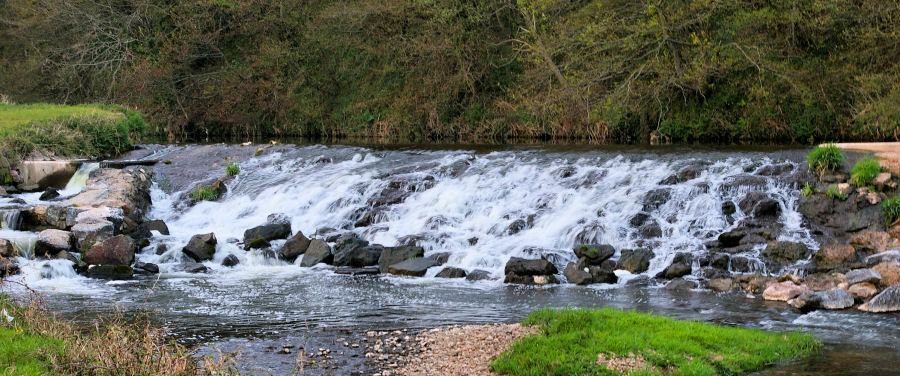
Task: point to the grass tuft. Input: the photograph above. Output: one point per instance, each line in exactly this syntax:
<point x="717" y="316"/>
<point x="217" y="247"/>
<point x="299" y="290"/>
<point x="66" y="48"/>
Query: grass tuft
<point x="232" y="169"/>
<point x="864" y="171"/>
<point x="204" y="194"/>
<point x="573" y="341"/>
<point x="835" y="194"/>
<point x="825" y="158"/>
<point x="891" y="210"/>
<point x="807" y="190"/>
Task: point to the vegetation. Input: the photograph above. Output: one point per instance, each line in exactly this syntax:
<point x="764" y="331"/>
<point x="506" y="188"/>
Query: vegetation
<point x="825" y="158"/>
<point x="891" y="209"/>
<point x="835" y="194"/>
<point x="232" y="169"/>
<point x="807" y="190"/>
<point x="204" y="194"/>
<point x="864" y="171"/>
<point x="454" y="70"/>
<point x="35" y="343"/>
<point x="591" y="342"/>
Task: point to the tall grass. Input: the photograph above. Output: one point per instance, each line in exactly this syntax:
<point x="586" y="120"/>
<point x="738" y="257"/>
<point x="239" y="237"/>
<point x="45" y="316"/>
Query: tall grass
<point x="825" y="158"/>
<point x="864" y="171"/>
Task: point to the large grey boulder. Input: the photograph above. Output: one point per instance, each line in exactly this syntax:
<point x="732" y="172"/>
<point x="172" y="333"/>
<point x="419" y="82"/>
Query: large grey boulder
<point x="394" y="255"/>
<point x="416" y="267"/>
<point x="318" y="252"/>
<point x="114" y="215"/>
<point x="636" y="260"/>
<point x="786" y="252"/>
<point x="118" y="250"/>
<point x="277" y="226"/>
<point x="201" y="247"/>
<point x="887" y="301"/>
<point x="50" y="242"/>
<point x="862" y="276"/>
<point x="520" y="266"/>
<point x="294" y="247"/>
<point x="835" y="299"/>
<point x="594" y="254"/>
<point x="86" y="234"/>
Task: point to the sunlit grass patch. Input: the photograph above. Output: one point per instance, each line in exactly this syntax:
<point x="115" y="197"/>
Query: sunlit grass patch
<point x="12" y="116"/>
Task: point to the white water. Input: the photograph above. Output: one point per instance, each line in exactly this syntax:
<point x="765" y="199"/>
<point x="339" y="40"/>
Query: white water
<point x="75" y="185"/>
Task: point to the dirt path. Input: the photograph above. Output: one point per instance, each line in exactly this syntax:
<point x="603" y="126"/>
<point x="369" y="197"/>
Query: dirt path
<point x="888" y="152"/>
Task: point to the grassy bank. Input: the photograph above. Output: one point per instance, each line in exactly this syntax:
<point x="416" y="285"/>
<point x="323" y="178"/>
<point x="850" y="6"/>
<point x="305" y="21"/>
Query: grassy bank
<point x="34" y="342"/>
<point x="611" y="342"/>
<point x="82" y="131"/>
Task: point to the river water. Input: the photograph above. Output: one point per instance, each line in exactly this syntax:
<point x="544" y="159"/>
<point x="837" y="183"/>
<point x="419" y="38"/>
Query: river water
<point x="481" y="206"/>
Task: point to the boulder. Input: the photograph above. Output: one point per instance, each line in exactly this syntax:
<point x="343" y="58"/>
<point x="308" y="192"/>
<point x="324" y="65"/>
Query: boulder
<point x="117" y="250"/>
<point x="478" y="275"/>
<point x="835" y="299"/>
<point x="720" y="284"/>
<point x="807" y="301"/>
<point x="116" y="272"/>
<point x="577" y="275"/>
<point x="862" y="276"/>
<point x="277" y="226"/>
<point x="359" y="257"/>
<point x="230" y="261"/>
<point x="523" y="267"/>
<point x="441" y="257"/>
<point x="49" y="194"/>
<point x="294" y="247"/>
<point x="415" y="267"/>
<point x="451" y="272"/>
<point x="862" y="291"/>
<point x="8" y="248"/>
<point x="881" y="180"/>
<point x="785" y="252"/>
<point x="719" y="261"/>
<point x="679" y="284"/>
<point x="680" y="267"/>
<point x="86" y="234"/>
<point x="650" y="230"/>
<point x="731" y="238"/>
<point x="594" y="254"/>
<point x="756" y="283"/>
<point x="145" y="230"/>
<point x="161" y="248"/>
<point x="824" y="281"/>
<point x="190" y="267"/>
<point x="873" y="241"/>
<point x="394" y="255"/>
<point x="767" y="208"/>
<point x="257" y="243"/>
<point x="317" y="252"/>
<point x="783" y="291"/>
<point x="834" y="257"/>
<point x="636" y="260"/>
<point x="50" y="242"/>
<point x="887" y="301"/>
<point x="201" y="247"/>
<point x="349" y="270"/>
<point x="887" y="256"/>
<point x="656" y="198"/>
<point x="602" y="275"/>
<point x="890" y="273"/>
<point x="729" y="208"/>
<point x="116" y="216"/>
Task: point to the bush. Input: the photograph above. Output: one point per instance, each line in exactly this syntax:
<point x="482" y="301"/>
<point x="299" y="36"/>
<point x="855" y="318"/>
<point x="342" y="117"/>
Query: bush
<point x="825" y="158"/>
<point x="232" y="169"/>
<point x="864" y="171"/>
<point x="891" y="209"/>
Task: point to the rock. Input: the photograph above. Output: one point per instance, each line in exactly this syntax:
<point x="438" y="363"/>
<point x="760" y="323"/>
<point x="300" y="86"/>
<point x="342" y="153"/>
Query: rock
<point x="767" y="208"/>
<point x="881" y="180"/>
<point x="117" y="250"/>
<point x="834" y="256"/>
<point x="602" y="275"/>
<point x="523" y="267"/>
<point x="862" y="291"/>
<point x="415" y="267"/>
<point x="676" y="270"/>
<point x="348" y="270"/>
<point x="49" y="194"/>
<point x="783" y="291"/>
<point x="595" y="254"/>
<point x="451" y="272"/>
<point x="638" y="219"/>
<point x="359" y="257"/>
<point x="8" y="267"/>
<point x="745" y="180"/>
<point x="720" y="284"/>
<point x="277" y="227"/>
<point x="230" y="261"/>
<point x="147" y="267"/>
<point x="824" y="281"/>
<point x="145" y="230"/>
<point x="835" y="299"/>
<point x="728" y="208"/>
<point x="890" y="273"/>
<point x="190" y="267"/>
<point x="115" y="272"/>
<point x="785" y="252"/>
<point x="758" y="283"/>
<point x="161" y="248"/>
<point x="656" y="198"/>
<point x="544" y="279"/>
<point x="650" y="230"/>
<point x="888" y="256"/>
<point x="8" y="248"/>
<point x="806" y="302"/>
<point x="201" y="247"/>
<point x="116" y="216"/>
<point x="478" y="275"/>
<point x="294" y="247"/>
<point x="679" y="284"/>
<point x="873" y="241"/>
<point x="862" y="276"/>
<point x="791" y="277"/>
<point x="731" y="238"/>
<point x="86" y="234"/>
<point x="257" y="243"/>
<point x="441" y="257"/>
<point x="844" y="189"/>
<point x="50" y="242"/>
<point x="317" y="252"/>
<point x="636" y="260"/>
<point x="719" y="261"/>
<point x="713" y="273"/>
<point x="577" y="275"/>
<point x="394" y="255"/>
<point x="887" y="301"/>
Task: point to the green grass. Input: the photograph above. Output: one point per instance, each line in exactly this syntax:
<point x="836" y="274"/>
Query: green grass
<point x="825" y="158"/>
<point x="21" y="353"/>
<point x="204" y="194"/>
<point x="834" y="194"/>
<point x="891" y="209"/>
<point x="864" y="171"/>
<point x="232" y="169"/>
<point x="12" y="117"/>
<point x="807" y="190"/>
<point x="571" y="340"/>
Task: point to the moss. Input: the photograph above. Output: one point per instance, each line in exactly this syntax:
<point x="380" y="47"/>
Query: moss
<point x="258" y="243"/>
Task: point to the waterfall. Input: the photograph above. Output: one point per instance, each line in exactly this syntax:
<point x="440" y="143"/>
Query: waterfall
<point x="10" y="219"/>
<point x="78" y="181"/>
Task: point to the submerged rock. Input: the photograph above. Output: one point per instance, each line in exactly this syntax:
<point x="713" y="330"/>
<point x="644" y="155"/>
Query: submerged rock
<point x="415" y="267"/>
<point x="231" y="261"/>
<point x="277" y="226"/>
<point x="602" y="275"/>
<point x="451" y="272"/>
<point x="190" y="267"/>
<point x="441" y="257"/>
<point x="147" y="267"/>
<point x="49" y="194"/>
<point x="116" y="272"/>
<point x="524" y="267"/>
<point x="478" y="275"/>
<point x="201" y="247"/>
<point x="679" y="284"/>
<point x="887" y="301"/>
<point x="720" y="284"/>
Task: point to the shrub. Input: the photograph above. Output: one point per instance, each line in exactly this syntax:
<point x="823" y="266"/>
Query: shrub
<point x="232" y="169"/>
<point x="864" y="171"/>
<point x="825" y="158"/>
<point x="835" y="194"/>
<point x="891" y="209"/>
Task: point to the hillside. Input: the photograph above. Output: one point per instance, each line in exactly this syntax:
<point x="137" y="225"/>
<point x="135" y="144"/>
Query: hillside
<point x="452" y="70"/>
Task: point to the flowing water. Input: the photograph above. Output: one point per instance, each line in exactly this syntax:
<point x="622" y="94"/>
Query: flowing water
<point x="483" y="208"/>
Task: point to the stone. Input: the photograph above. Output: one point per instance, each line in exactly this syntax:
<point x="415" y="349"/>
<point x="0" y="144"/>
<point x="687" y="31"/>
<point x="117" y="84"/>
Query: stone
<point x="835" y="299"/>
<point x="806" y="302"/>
<point x="844" y="189"/>
<point x="145" y="230"/>
<point x="8" y="248"/>
<point x="50" y="242"/>
<point x="650" y="230"/>
<point x="602" y="275"/>
<point x="824" y="281"/>
<point x="8" y="267"/>
<point x="190" y="267"/>
<point x="656" y="198"/>
<point x="201" y="247"/>
<point x="100" y="214"/>
<point x="451" y="272"/>
<point x="394" y="255"/>
<point x="890" y="273"/>
<point x="638" y="219"/>
<point x="523" y="267"/>
<point x="49" y="194"/>
<point x="594" y="254"/>
<point x="161" y="248"/>
<point x="257" y="243"/>
<point x="636" y="260"/>
<point x="441" y="257"/>
<point x="786" y="252"/>
<point x="117" y="250"/>
<point x="862" y="291"/>
<point x="873" y="241"/>
<point x="758" y="283"/>
<point x="783" y="291"/>
<point x="768" y="208"/>
<point x="729" y="208"/>
<point x="577" y="275"/>
<point x="834" y="256"/>
<point x="680" y="267"/>
<point x="544" y="279"/>
<point x="720" y="284"/>
<point x="86" y="234"/>
<point x="887" y="301"/>
<point x="887" y="256"/>
<point x="416" y="267"/>
<point x="349" y="270"/>
<point x="478" y="275"/>
<point x="294" y="247"/>
<point x="731" y="238"/>
<point x="230" y="261"/>
<point x="862" y="276"/>
<point x="115" y="272"/>
<point x="277" y="226"/>
<point x="719" y="261"/>
<point x="359" y="257"/>
<point x="881" y="180"/>
<point x="679" y="284"/>
<point x="317" y="252"/>
<point x="147" y="267"/>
